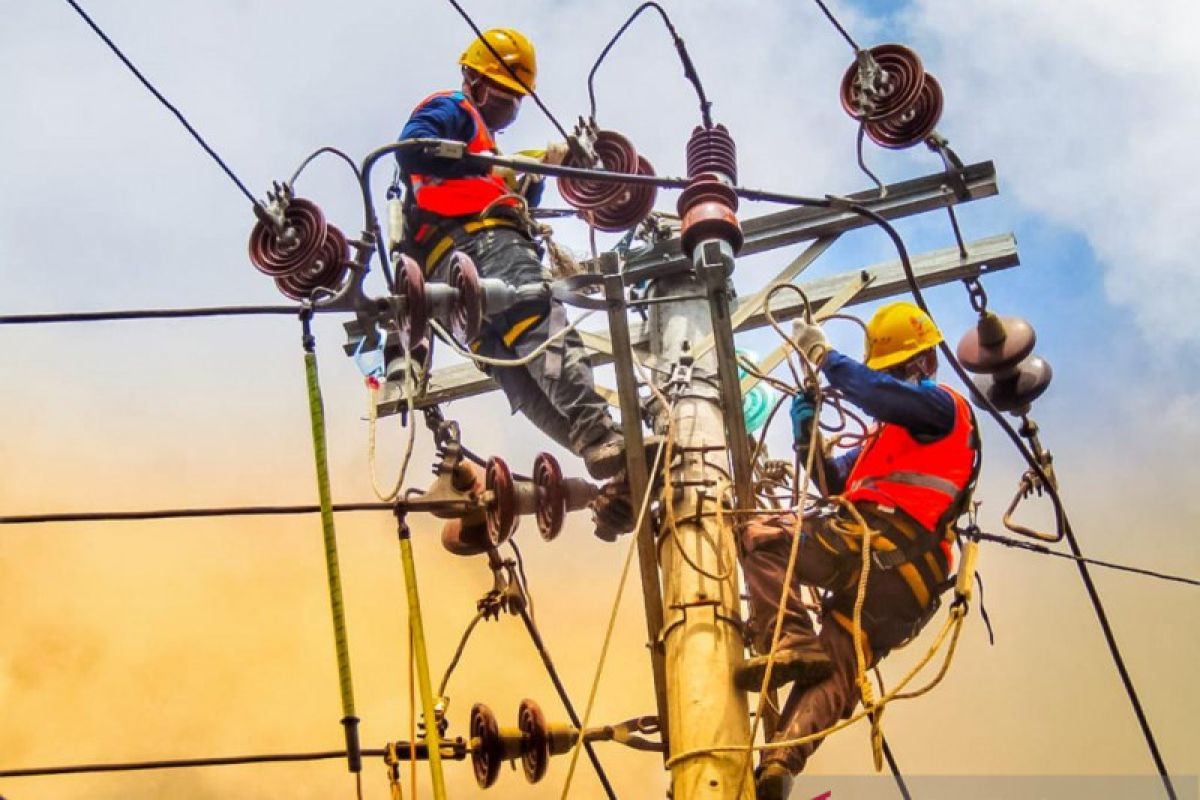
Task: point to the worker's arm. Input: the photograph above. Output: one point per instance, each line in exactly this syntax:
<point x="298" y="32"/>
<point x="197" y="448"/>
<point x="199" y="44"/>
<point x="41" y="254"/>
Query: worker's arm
<point x="440" y="118"/>
<point x="924" y="409"/>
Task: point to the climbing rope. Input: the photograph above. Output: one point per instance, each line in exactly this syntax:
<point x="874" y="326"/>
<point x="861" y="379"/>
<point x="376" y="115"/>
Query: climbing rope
<point x="316" y="409"/>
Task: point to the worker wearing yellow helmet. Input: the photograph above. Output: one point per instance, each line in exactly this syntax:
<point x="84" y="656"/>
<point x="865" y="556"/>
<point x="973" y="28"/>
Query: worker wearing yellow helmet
<point x="910" y="480"/>
<point x="451" y="206"/>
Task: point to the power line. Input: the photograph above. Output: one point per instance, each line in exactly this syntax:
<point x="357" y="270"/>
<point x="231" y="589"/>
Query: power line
<point x="149" y="313"/>
<point x="1039" y="548"/>
<point x="459" y="753"/>
<point x="187" y="513"/>
<point x="164" y="101"/>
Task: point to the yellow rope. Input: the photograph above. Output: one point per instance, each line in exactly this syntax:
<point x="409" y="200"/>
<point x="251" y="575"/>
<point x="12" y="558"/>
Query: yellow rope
<point x="955" y="619"/>
<point x="612" y="617"/>
<point x="673" y="530"/>
<point x="793" y="557"/>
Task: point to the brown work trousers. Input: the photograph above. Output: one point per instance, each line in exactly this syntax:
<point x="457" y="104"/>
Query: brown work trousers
<point x="890" y="616"/>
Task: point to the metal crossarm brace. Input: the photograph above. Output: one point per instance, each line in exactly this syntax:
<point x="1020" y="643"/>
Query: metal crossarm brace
<point x="934" y="268"/>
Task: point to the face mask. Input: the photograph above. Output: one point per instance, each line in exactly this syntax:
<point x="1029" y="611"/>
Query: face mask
<point x="498" y="109"/>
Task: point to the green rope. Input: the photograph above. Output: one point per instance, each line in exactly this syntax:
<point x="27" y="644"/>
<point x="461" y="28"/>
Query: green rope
<point x="316" y="409"/>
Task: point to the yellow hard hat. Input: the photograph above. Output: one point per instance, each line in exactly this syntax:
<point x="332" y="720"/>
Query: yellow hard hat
<point x="896" y="333"/>
<point x="514" y="50"/>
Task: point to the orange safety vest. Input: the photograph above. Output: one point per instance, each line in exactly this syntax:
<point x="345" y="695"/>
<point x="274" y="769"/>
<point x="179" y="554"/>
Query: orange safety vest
<point x="459" y="197"/>
<point x="924" y="480"/>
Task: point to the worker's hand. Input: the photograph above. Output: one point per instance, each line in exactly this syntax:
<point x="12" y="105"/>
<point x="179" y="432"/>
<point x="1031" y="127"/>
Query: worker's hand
<point x="556" y="153"/>
<point x="803" y="413"/>
<point x="810" y="340"/>
<point x="509" y="176"/>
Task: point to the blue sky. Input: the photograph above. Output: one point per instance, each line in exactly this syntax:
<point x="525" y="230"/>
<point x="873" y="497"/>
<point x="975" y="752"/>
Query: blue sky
<point x="1089" y="110"/>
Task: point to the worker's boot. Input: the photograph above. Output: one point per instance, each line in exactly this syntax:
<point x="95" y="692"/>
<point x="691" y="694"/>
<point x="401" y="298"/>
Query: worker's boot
<point x="800" y="657"/>
<point x="772" y="781"/>
<point x="605" y="457"/>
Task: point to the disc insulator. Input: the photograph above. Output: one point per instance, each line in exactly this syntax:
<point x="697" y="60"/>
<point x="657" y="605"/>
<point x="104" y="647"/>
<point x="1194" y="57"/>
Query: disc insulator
<point x="414" y="322"/>
<point x="996" y="344"/>
<point x="912" y="125"/>
<point x="535" y="740"/>
<point x="551" y="496"/>
<point x="486" y="749"/>
<point x="466" y="317"/>
<point x="883" y="84"/>
<point x="611" y="206"/>
<point x="326" y="270"/>
<point x="630" y="207"/>
<point x="501" y="512"/>
<point x="277" y="252"/>
<point x="1017" y="391"/>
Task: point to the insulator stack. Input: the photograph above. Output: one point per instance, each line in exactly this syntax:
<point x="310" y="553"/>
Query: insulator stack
<point x="708" y="206"/>
<point x="610" y="206"/>
<point x="889" y="91"/>
<point x="299" y="249"/>
<point x="326" y="270"/>
<point x="1000" y="351"/>
<point x="548" y="497"/>
<point x="533" y="741"/>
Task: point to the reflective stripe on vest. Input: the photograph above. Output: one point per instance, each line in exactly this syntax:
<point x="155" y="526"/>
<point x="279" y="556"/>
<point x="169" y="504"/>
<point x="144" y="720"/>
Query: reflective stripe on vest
<point x="921" y="479"/>
<point x="458" y="197"/>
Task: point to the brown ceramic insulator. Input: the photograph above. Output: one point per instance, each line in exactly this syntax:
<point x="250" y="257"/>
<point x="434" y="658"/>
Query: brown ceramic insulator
<point x="501" y="512"/>
<point x="712" y="150"/>
<point x="616" y="154"/>
<point x="467" y="536"/>
<point x="551" y="496"/>
<point x="996" y="344"/>
<point x="630" y="207"/>
<point x="410" y="286"/>
<point x="707" y="207"/>
<point x="535" y="740"/>
<point x="326" y="270"/>
<point x="1026" y="383"/>
<point x="912" y="125"/>
<point x="487" y="751"/>
<point x="275" y="253"/>
<point x="900" y="80"/>
<point x="466" y="315"/>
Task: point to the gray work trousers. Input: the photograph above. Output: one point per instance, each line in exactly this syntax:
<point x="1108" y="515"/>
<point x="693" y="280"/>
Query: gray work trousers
<point x="890" y="616"/>
<point x="554" y="391"/>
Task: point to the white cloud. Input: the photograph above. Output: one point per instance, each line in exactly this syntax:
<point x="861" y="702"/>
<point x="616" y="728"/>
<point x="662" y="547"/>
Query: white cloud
<point x="1093" y="117"/>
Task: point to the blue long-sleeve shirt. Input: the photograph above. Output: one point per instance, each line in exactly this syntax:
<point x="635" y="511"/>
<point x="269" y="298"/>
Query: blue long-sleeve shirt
<point x="443" y="117"/>
<point x="925" y="409"/>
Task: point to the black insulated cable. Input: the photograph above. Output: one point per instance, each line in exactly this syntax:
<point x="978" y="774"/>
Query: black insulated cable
<point x="170" y="107"/>
<point x="689" y="69"/>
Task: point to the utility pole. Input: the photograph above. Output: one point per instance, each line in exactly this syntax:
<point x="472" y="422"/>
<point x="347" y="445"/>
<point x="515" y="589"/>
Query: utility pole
<point x="711" y="463"/>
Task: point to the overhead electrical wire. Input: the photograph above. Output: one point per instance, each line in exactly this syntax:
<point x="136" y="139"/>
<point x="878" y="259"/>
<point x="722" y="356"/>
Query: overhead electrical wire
<point x="689" y="69"/>
<point x="170" y="106"/>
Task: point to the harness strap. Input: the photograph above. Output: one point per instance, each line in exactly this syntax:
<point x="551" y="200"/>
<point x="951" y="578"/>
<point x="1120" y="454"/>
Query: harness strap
<point x="457" y="234"/>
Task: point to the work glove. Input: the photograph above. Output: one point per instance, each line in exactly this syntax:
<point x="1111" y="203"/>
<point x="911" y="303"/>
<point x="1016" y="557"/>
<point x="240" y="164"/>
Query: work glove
<point x="810" y="340"/>
<point x="804" y="412"/>
<point x="556" y="153"/>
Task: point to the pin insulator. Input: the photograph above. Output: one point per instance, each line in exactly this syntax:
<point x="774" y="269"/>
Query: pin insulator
<point x="610" y="206"/>
<point x="709" y="204"/>
<point x="913" y="124"/>
<point x="327" y="268"/>
<point x="277" y="250"/>
<point x="884" y="81"/>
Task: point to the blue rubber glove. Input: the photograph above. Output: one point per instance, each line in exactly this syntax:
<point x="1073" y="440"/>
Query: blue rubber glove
<point x="803" y="412"/>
